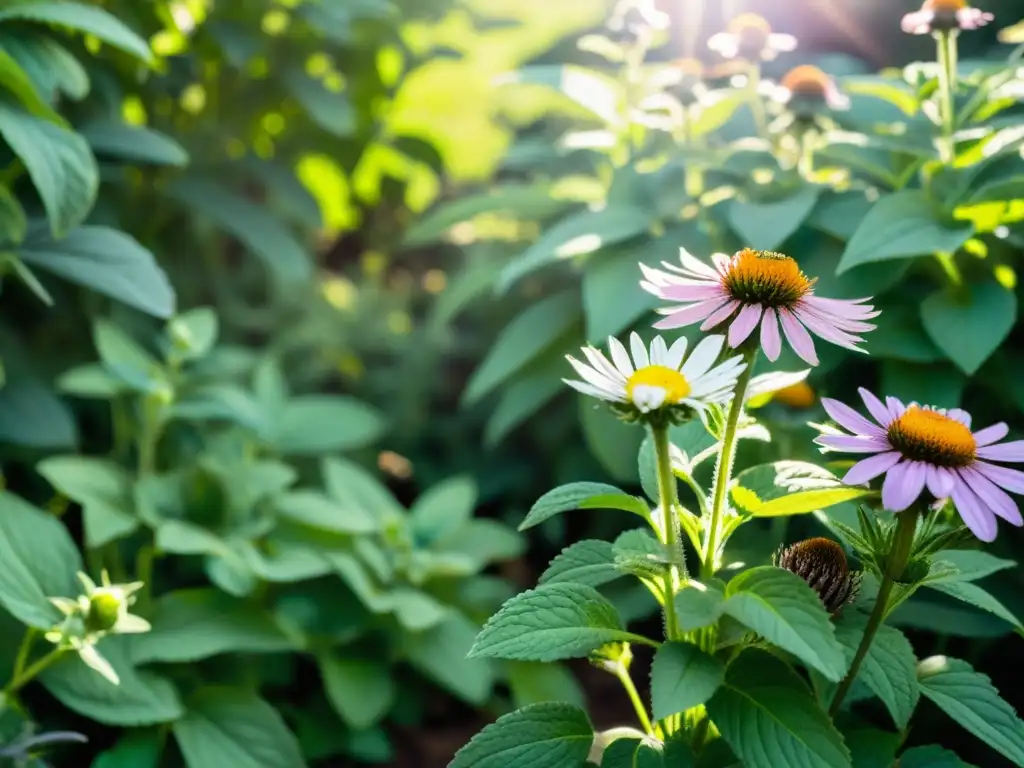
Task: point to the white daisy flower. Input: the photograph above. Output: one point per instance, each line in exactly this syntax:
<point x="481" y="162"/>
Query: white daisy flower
<point x="661" y="379"/>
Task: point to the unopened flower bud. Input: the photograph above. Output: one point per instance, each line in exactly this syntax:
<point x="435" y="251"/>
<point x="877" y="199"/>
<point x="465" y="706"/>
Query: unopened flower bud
<point x="104" y="611"/>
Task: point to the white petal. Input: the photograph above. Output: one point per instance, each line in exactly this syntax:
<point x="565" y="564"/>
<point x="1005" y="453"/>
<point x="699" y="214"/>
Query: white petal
<point x="659" y="352"/>
<point x="601" y="364"/>
<point x="677" y="352"/>
<point x="591" y="391"/>
<point x="703" y="357"/>
<point x="648" y="398"/>
<point x="591" y="376"/>
<point x="620" y="356"/>
<point x="636" y="346"/>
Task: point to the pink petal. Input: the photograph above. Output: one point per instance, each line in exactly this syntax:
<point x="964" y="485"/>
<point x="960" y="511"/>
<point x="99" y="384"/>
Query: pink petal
<point x="1012" y="451"/>
<point x="940" y="481"/>
<point x="771" y="341"/>
<point x="875" y="407"/>
<point x="895" y="406"/>
<point x="848" y="418"/>
<point x="850" y="309"/>
<point x="720" y="315"/>
<point x="692" y="314"/>
<point x="992" y="434"/>
<point x="692" y="263"/>
<point x="981" y="522"/>
<point x="866" y="470"/>
<point x="699" y="292"/>
<point x="744" y="324"/>
<point x="798" y="337"/>
<point x="903" y="484"/>
<point x="917" y="23"/>
<point x="721" y="262"/>
<point x="1004" y="477"/>
<point x="959" y="414"/>
<point x="992" y="495"/>
<point x="853" y="443"/>
<point x="826" y="331"/>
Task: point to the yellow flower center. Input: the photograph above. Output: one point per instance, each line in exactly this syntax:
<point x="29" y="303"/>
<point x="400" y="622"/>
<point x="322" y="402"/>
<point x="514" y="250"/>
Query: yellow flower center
<point x="799" y="395"/>
<point x="673" y="382"/>
<point x="762" y="277"/>
<point x="948" y="6"/>
<point x="926" y="435"/>
<point x="807" y="81"/>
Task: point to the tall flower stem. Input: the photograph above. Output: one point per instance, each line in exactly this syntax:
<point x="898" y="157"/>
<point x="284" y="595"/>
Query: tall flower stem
<point x="641" y="711"/>
<point x="27" y="675"/>
<point x="723" y="470"/>
<point x="669" y="498"/>
<point x="895" y="563"/>
<point x="947" y="57"/>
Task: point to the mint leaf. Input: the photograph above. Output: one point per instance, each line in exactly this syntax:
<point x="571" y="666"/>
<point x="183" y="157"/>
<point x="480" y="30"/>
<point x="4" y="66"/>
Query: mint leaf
<point x="682" y="676"/>
<point x="548" y="735"/>
<point x="780" y="607"/>
<point x="582" y="496"/>
<point x="557" y="621"/>
<point x="931" y="756"/>
<point x="699" y="605"/>
<point x="978" y="597"/>
<point x="969" y="698"/>
<point x="965" y="565"/>
<point x="590" y="562"/>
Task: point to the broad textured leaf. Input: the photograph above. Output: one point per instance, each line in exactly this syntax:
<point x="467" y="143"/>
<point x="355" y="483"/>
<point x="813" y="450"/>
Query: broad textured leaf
<point x="780" y="607"/>
<point x="361" y="692"/>
<point x="133" y="143"/>
<point x="193" y="624"/>
<point x="313" y="424"/>
<point x="889" y="669"/>
<point x="521" y="341"/>
<point x="765" y="712"/>
<point x="789" y="488"/>
<point x="965" y="565"/>
<point x="576" y="235"/>
<point x="969" y="328"/>
<point x="682" y="676"/>
<point x="550" y="735"/>
<point x="14" y="79"/>
<point x="32" y="416"/>
<point x="84" y="18"/>
<point x="141" y="697"/>
<point x="589" y="562"/>
<point x="39" y="561"/>
<point x="932" y="756"/>
<point x="102" y="487"/>
<point x="351" y="485"/>
<point x="970" y="700"/>
<point x="581" y="496"/>
<point x="59" y="163"/>
<point x="440" y="654"/>
<point x="766" y="226"/>
<point x="900" y="226"/>
<point x="699" y="605"/>
<point x="632" y="753"/>
<point x="978" y="597"/>
<point x="557" y="621"/>
<point x="319" y="511"/>
<point x="105" y="260"/>
<point x="254" y="226"/>
<point x="443" y="509"/>
<point x="329" y="109"/>
<point x="52" y="68"/>
<point x="228" y="726"/>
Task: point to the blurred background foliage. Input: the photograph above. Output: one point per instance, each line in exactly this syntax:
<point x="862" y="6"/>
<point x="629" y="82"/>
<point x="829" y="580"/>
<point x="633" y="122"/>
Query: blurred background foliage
<point x="264" y="339"/>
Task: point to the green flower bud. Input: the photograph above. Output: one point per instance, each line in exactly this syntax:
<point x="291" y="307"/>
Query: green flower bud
<point x="104" y="612"/>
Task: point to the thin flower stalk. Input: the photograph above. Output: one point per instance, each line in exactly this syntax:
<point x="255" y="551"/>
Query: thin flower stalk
<point x="669" y="499"/>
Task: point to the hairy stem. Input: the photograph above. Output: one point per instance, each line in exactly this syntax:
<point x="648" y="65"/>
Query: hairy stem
<point x="723" y="471"/>
<point x="895" y="562"/>
<point x="669" y="499"/>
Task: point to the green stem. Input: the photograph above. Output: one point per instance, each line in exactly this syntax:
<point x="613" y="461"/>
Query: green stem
<point x="26" y="676"/>
<point x="723" y="471"/>
<point x="756" y="104"/>
<point x="805" y="165"/>
<point x="641" y="712"/>
<point x="895" y="563"/>
<point x="947" y="57"/>
<point x="24" y="649"/>
<point x="668" y="496"/>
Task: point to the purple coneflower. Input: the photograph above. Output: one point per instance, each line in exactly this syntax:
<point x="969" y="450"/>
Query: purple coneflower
<point x="756" y="288"/>
<point x="944" y="16"/>
<point x="807" y="87"/>
<point x="918" y="447"/>
<point x="750" y="37"/>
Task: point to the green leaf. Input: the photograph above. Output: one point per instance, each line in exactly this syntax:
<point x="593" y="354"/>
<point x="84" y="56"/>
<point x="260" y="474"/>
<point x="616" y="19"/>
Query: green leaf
<point x="39" y="561"/>
<point x="765" y="712"/>
<point x="14" y="79"/>
<point x="13" y="222"/>
<point x="32" y="416"/>
<point x="969" y="328"/>
<point x="483" y="542"/>
<point x="440" y="654"/>
<point x="194" y="624"/>
<point x="940" y="385"/>
<point x="59" y="163"/>
<point x="140" y="698"/>
<point x="137" y="748"/>
<point x="582" y="496"/>
<point x="699" y="605"/>
<point x="133" y="143"/>
<point x="978" y="597"/>
<point x="901" y="226"/>
<point x="789" y="488"/>
<point x="589" y="562"/>
<point x="556" y="621"/>
<point x="682" y="676"/>
<point x="123" y="357"/>
<point x="227" y="726"/>
<point x="550" y="735"/>
<point x="532" y="682"/>
<point x="253" y="225"/>
<point x="578" y="234"/>
<point x="84" y="18"/>
<point x="329" y="109"/>
<point x="102" y="487"/>
<point x="931" y="756"/>
<point x="766" y="226"/>
<point x="780" y="607"/>
<point x="52" y="68"/>
<point x="415" y="610"/>
<point x="870" y="748"/>
<point x="195" y="332"/>
<point x="313" y="424"/>
<point x="900" y="335"/>
<point x="443" y="509"/>
<point x="890" y="667"/>
<point x="319" y="511"/>
<point x="521" y="341"/>
<point x="352" y="486"/>
<point x="631" y="753"/>
<point x="184" y="538"/>
<point x="965" y="565"/>
<point x="105" y="260"/>
<point x="969" y="699"/>
<point x="612" y="296"/>
<point x="362" y="692"/>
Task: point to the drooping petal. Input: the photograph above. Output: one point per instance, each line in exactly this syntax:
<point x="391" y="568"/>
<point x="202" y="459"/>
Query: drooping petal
<point x="680" y="318"/>
<point x="1012" y="451"/>
<point x="918" y="23"/>
<point x="744" y="324"/>
<point x="798" y="337"/>
<point x="771" y="340"/>
<point x="591" y="376"/>
<point x="868" y="469"/>
<point x="720" y="315"/>
<point x="849" y="419"/>
<point x="1004" y="477"/>
<point x="601" y="364"/>
<point x="990" y="435"/>
<point x="696" y="292"/>
<point x="895" y="406"/>
<point x="590" y="390"/>
<point x="940" y="481"/>
<point x="981" y="521"/>
<point x="994" y="497"/>
<point x="903" y="484"/>
<point x="694" y="264"/>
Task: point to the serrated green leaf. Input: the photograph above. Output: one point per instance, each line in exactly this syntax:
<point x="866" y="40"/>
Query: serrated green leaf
<point x="84" y="18"/>
<point x="766" y="226"/>
<point x="549" y="735"/>
<point x="682" y="676"/>
<point x="699" y="605"/>
<point x="786" y="488"/>
<point x="582" y="496"/>
<point x="966" y="565"/>
<point x="765" y="712"/>
<point x="556" y="621"/>
<point x="361" y="691"/>
<point x="780" y="607"/>
<point x="931" y="756"/>
<point x="443" y="509"/>
<point x="979" y="598"/>
<point x="589" y="562"/>
<point x="968" y="327"/>
<point x="969" y="698"/>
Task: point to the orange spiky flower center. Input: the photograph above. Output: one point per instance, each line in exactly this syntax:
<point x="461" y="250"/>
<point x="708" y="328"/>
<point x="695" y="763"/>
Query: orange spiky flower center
<point x="767" y="278"/>
<point x="944" y="6"/>
<point x="807" y="81"/>
<point x="926" y="435"/>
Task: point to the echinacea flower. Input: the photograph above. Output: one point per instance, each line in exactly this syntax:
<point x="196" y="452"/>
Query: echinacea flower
<point x="944" y="16"/>
<point x="807" y="89"/>
<point x="751" y="289"/>
<point x="750" y="37"/>
<point x="822" y="564"/>
<point x="918" y="447"/>
<point x="662" y="380"/>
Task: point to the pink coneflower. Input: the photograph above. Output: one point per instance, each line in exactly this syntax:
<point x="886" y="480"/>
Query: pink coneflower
<point x="808" y="86"/>
<point x="918" y="447"/>
<point x="756" y="288"/>
<point x="750" y="37"/>
<point x="944" y="16"/>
